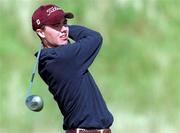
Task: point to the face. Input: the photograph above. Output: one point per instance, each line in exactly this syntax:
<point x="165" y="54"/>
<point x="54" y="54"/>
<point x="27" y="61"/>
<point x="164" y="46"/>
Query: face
<point x="55" y="35"/>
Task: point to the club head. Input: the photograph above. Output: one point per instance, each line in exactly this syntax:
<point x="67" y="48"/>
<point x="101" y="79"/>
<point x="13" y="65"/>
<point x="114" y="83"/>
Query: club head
<point x="34" y="103"/>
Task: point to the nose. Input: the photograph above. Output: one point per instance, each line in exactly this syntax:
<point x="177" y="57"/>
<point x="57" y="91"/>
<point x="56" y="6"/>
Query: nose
<point x="64" y="28"/>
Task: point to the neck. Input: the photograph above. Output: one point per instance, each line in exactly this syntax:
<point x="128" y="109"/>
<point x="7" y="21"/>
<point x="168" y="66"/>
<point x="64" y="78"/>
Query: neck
<point x="48" y="45"/>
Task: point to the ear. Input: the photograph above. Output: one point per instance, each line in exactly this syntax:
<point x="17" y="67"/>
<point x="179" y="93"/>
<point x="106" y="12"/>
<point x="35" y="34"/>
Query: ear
<point x="40" y="33"/>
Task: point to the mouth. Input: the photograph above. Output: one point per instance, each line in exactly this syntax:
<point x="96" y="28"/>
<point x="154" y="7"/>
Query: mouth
<point x="64" y="36"/>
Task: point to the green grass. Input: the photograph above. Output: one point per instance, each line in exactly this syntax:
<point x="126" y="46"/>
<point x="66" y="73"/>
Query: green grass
<point x="137" y="68"/>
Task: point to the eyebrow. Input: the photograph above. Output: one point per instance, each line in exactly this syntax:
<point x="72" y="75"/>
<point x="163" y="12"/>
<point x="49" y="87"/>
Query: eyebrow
<point x="64" y="21"/>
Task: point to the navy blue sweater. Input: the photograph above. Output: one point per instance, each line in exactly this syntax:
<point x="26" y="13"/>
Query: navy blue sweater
<point x="65" y="71"/>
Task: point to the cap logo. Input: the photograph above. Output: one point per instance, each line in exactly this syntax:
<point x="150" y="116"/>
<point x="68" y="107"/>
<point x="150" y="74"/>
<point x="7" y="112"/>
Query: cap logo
<point x="52" y="9"/>
<point x="38" y="22"/>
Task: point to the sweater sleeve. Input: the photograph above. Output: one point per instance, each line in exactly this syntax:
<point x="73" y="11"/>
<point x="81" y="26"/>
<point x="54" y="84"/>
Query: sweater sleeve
<point x="85" y="48"/>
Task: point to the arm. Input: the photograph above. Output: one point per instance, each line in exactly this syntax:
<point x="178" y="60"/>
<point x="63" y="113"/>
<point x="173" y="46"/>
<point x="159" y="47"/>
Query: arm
<point x="85" y="48"/>
<point x="79" y="32"/>
<point x="87" y="42"/>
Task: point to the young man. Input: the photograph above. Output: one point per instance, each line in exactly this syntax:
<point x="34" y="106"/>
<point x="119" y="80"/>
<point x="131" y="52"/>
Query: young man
<point x="64" y="68"/>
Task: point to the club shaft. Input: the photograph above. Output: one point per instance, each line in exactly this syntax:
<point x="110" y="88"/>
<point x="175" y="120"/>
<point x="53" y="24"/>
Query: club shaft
<point x="34" y="72"/>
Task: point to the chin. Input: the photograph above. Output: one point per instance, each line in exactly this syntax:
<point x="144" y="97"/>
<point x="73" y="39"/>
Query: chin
<point x="63" y="43"/>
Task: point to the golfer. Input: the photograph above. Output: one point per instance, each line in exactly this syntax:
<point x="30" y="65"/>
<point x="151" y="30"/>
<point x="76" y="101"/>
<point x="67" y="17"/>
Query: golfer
<point x="64" y="68"/>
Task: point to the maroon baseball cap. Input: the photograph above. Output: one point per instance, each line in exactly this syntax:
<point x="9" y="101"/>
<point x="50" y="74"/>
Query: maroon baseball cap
<point x="48" y="15"/>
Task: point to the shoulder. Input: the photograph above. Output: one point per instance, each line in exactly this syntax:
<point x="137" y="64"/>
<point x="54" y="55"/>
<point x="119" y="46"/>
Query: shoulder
<point x="47" y="54"/>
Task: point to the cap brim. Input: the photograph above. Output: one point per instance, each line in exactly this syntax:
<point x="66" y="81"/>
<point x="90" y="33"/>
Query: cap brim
<point x="69" y="15"/>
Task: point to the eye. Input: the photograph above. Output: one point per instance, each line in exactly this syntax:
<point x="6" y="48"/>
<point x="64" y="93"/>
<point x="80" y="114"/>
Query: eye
<point x="56" y="25"/>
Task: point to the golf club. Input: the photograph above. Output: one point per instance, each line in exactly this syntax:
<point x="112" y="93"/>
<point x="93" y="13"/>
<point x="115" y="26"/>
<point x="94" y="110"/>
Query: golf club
<point x="34" y="102"/>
